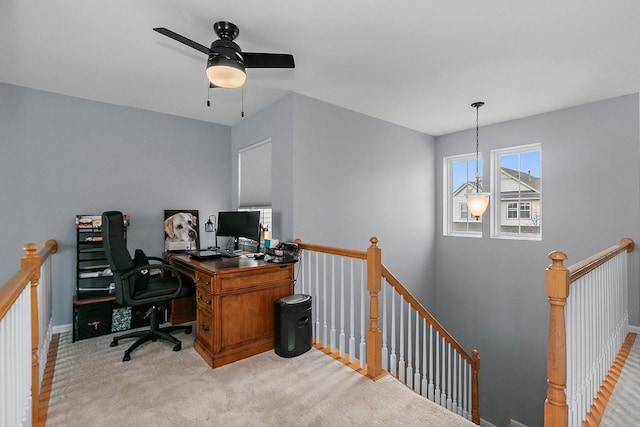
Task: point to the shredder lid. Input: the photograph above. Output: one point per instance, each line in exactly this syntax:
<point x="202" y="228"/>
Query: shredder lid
<point x="295" y="299"/>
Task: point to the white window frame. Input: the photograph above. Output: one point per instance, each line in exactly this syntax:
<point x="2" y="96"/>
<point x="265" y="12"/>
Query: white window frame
<point x="496" y="207"/>
<point x="449" y="207"/>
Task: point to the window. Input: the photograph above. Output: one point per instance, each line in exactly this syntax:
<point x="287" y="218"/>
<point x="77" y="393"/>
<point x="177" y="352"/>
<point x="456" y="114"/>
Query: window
<point x="266" y="217"/>
<point x="459" y="178"/>
<point x="254" y="174"/>
<point x="516" y="192"/>
<point x="464" y="211"/>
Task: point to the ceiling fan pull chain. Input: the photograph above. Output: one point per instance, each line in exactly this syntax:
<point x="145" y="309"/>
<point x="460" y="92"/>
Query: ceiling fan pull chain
<point x="242" y="113"/>
<point x="208" y="94"/>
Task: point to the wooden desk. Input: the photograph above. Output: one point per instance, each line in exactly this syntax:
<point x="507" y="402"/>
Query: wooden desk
<point x="234" y="304"/>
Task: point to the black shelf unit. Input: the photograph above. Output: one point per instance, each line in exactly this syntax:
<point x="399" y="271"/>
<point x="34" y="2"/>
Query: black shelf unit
<point x="94" y="276"/>
<point x="95" y="312"/>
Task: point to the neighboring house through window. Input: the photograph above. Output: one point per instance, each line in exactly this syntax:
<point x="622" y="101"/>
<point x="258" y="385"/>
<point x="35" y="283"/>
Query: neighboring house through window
<point x="516" y="193"/>
<point x="459" y="178"/>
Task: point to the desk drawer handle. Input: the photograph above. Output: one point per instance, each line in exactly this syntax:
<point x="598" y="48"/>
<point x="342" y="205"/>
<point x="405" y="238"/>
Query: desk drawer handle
<point x="204" y="327"/>
<point x="208" y="302"/>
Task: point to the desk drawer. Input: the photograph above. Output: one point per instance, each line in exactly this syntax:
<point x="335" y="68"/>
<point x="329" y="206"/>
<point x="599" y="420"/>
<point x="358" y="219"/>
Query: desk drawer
<point x="204" y="329"/>
<point x="203" y="299"/>
<point x="249" y="279"/>
<point x="203" y="281"/>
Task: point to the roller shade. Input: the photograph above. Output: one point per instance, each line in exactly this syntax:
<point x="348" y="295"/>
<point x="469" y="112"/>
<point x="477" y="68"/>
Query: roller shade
<point x="255" y="175"/>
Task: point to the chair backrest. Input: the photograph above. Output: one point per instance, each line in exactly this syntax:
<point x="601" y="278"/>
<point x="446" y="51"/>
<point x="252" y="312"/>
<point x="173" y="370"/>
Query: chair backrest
<point x="115" y="248"/>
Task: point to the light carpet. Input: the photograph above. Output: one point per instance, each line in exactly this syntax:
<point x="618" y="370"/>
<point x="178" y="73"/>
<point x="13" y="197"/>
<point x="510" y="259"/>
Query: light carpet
<point x="159" y="387"/>
<point x="623" y="408"/>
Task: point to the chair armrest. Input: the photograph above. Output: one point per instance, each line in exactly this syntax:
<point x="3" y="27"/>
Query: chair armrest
<point x="163" y="267"/>
<point x="155" y="258"/>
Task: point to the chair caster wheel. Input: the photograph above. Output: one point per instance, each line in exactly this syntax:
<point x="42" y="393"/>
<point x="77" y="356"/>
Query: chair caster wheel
<point x="177" y="347"/>
<point x="114" y="343"/>
<point x="126" y="357"/>
<point x="188" y="330"/>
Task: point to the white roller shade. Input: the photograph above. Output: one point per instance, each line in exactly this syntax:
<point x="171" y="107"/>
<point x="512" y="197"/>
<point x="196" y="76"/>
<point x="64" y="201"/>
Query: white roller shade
<point x="255" y="175"/>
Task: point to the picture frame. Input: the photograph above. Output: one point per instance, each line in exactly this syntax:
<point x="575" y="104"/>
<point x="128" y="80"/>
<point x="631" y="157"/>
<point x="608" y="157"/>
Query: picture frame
<point x="181" y="230"/>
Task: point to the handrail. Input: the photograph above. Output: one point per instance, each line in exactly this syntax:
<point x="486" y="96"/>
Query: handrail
<point x="584" y="267"/>
<point x="375" y="272"/>
<point x="558" y="280"/>
<point x="10" y="291"/>
<point x="331" y="250"/>
<point x="393" y="281"/>
<point x="13" y="287"/>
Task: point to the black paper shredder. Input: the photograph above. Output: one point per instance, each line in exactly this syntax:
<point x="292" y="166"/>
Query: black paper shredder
<point x="293" y="325"/>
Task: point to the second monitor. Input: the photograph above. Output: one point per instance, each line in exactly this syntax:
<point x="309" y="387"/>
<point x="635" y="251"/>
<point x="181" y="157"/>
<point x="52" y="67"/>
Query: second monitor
<point x="238" y="224"/>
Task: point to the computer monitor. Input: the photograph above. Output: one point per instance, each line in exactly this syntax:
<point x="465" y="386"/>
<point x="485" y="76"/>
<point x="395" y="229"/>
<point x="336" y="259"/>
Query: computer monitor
<point x="238" y="224"/>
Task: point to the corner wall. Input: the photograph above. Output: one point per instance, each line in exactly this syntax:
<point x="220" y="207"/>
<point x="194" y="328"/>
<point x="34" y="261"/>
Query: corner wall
<point x="356" y="177"/>
<point x="490" y="292"/>
<point x="341" y="177"/>
<point x="63" y="156"/>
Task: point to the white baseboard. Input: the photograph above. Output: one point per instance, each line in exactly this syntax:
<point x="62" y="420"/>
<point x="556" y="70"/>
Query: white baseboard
<point x="485" y="423"/>
<point x="634" y="329"/>
<point x="62" y="328"/>
<point x="512" y="423"/>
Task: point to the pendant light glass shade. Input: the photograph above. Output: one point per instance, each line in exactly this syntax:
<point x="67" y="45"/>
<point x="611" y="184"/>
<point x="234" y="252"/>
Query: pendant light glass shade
<point x="225" y="72"/>
<point x="477" y="201"/>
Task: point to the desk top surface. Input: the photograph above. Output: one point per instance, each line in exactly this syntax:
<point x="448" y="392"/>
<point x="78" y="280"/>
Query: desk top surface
<point x="219" y="264"/>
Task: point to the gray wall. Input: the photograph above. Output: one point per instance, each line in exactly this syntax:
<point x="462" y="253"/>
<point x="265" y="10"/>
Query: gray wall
<point x="63" y="156"/>
<point x="356" y="177"/>
<point x="490" y="292"/>
<point x="340" y="178"/>
<point x="275" y="123"/>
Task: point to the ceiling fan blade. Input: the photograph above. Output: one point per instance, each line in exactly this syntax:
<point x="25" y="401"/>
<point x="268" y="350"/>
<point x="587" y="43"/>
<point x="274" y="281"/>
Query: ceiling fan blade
<point x="268" y="60"/>
<point x="182" y="39"/>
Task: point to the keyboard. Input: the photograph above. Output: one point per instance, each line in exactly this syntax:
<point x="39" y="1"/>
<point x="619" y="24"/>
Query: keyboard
<point x="227" y="253"/>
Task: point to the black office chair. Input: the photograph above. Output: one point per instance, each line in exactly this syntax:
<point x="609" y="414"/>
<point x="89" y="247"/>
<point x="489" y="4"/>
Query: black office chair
<point x="135" y="288"/>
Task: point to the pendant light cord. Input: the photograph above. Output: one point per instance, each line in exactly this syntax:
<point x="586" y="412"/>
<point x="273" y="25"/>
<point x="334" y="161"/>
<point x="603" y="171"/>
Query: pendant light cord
<point x="477" y="106"/>
<point x="477" y="150"/>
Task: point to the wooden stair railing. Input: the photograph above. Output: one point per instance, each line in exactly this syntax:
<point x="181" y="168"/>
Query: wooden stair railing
<point x="332" y="291"/>
<point x="10" y="293"/>
<point x="571" y="322"/>
<point x="473" y="360"/>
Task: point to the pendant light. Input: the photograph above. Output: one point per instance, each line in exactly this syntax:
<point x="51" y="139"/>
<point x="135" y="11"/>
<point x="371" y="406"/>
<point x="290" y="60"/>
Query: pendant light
<point x="477" y="201"/>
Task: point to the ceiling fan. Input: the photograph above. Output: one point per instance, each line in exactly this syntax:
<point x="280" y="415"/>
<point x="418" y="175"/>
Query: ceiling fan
<point x="226" y="61"/>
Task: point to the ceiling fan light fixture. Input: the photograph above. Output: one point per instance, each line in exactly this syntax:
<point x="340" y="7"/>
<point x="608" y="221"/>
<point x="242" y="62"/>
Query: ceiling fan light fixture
<point x="225" y="72"/>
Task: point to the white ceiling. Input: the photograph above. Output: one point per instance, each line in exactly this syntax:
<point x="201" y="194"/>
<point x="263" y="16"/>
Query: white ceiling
<point x="416" y="63"/>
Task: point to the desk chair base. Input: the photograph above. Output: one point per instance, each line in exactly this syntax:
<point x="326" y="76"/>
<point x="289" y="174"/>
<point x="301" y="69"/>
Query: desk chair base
<point x="152" y="334"/>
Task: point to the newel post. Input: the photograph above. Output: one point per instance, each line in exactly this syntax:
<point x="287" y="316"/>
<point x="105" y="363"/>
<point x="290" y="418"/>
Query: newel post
<point x="31" y="258"/>
<point x="475" y="392"/>
<point x="374" y="335"/>
<point x="557" y="289"/>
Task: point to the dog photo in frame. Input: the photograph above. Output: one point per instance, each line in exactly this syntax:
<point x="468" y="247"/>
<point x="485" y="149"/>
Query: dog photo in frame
<point x="181" y="231"/>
